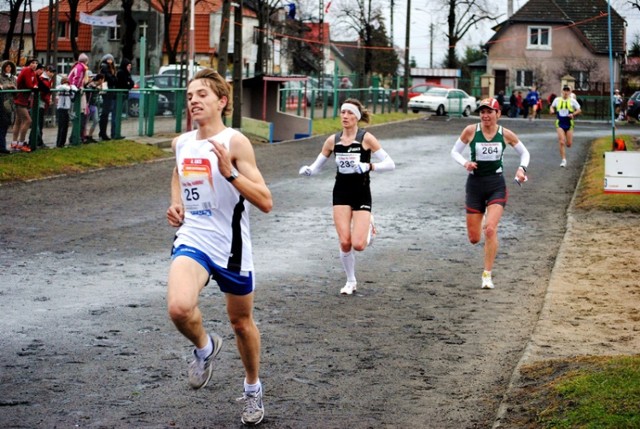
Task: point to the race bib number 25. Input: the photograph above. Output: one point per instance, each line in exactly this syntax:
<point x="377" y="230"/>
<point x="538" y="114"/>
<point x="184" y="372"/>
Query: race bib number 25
<point x="197" y="185"/>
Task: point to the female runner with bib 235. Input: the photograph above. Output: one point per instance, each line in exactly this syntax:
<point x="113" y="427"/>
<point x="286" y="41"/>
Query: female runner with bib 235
<point x="355" y="150"/>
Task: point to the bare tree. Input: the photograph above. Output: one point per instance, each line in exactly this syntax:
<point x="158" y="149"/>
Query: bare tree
<point x="462" y="16"/>
<point x="172" y="46"/>
<point x="264" y="10"/>
<point x="635" y="4"/>
<point x="128" y="35"/>
<point x="14" y="11"/>
<point x="73" y="26"/>
<point x="365" y="18"/>
<point x="223" y="47"/>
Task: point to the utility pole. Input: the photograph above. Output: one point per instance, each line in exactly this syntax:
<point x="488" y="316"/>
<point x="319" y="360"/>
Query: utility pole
<point x="391" y="24"/>
<point x="431" y="45"/>
<point x="321" y="37"/>
<point x="407" y="67"/>
<point x="236" y="120"/>
<point x="52" y="36"/>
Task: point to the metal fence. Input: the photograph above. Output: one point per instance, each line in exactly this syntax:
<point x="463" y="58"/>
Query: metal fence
<point x="141" y="112"/>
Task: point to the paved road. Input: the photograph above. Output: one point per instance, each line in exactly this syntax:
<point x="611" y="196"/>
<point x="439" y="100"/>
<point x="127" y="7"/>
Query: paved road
<point x="85" y="340"/>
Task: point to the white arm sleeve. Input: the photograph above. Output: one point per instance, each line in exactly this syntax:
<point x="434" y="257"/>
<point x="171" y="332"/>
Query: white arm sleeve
<point x="383" y="161"/>
<point x="523" y="152"/>
<point x="315" y="167"/>
<point x="456" y="152"/>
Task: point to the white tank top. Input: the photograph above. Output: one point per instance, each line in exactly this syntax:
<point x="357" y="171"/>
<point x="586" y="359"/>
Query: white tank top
<point x="216" y="215"/>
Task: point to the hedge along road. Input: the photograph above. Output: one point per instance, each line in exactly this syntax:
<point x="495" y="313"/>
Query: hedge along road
<point x="85" y="339"/>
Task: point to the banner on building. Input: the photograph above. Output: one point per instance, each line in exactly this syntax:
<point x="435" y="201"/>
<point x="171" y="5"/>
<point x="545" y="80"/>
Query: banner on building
<point x="99" y="21"/>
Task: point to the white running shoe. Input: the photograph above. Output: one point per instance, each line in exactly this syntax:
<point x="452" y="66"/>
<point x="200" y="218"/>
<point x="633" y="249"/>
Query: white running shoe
<point x="487" y="283"/>
<point x="563" y="163"/>
<point x="372" y="232"/>
<point x="349" y="288"/>
<point x="253" y="410"/>
<point x="200" y="370"/>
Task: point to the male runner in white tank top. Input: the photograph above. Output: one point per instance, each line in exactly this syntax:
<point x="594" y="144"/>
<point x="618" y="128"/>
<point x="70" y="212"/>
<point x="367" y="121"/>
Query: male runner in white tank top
<point x="215" y="181"/>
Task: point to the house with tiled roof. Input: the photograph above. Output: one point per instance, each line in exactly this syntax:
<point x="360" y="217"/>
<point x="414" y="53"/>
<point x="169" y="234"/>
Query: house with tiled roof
<point x="97" y="40"/>
<point x="319" y="38"/>
<point x="546" y="41"/>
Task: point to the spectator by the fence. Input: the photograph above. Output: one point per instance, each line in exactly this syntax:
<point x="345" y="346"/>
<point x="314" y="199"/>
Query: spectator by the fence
<point x="520" y="103"/>
<point x="124" y="82"/>
<point x="27" y="80"/>
<point x="500" y="98"/>
<point x="45" y="80"/>
<point x="108" y="69"/>
<point x="93" y="95"/>
<point x="78" y="78"/>
<point x="7" y="82"/>
<point x="513" y="105"/>
<point x="63" y="106"/>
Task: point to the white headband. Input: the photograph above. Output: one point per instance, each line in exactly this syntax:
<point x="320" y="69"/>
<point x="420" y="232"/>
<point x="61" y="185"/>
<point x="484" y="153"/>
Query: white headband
<point x="351" y="108"/>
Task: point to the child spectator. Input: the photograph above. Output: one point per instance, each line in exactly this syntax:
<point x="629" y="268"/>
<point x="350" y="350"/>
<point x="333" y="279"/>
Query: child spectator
<point x="93" y="94"/>
<point x="63" y="107"/>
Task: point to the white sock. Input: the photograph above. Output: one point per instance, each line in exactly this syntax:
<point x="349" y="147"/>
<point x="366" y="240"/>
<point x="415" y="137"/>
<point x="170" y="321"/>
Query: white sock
<point x="252" y="387"/>
<point x="486" y="273"/>
<point x="349" y="264"/>
<point x="206" y="350"/>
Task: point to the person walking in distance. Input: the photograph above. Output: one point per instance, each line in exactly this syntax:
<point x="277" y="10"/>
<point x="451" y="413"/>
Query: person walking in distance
<point x="566" y="109"/>
<point x="214" y="183"/>
<point x="355" y="151"/>
<point x="27" y="79"/>
<point x="486" y="190"/>
<point x="533" y="97"/>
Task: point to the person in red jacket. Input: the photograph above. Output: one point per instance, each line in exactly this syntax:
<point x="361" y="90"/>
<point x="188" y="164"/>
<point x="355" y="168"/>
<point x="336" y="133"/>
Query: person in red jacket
<point x="27" y="79"/>
<point x="45" y="80"/>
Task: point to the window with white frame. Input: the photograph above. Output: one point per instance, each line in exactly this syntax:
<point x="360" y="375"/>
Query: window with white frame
<point x="63" y="30"/>
<point x="539" y="37"/>
<point x="582" y="79"/>
<point x="524" y="78"/>
<point x="143" y="26"/>
<point x="114" y="33"/>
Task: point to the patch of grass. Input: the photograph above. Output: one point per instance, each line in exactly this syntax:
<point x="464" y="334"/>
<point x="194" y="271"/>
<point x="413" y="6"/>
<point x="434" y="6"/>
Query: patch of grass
<point x="604" y="394"/>
<point x="77" y="159"/>
<point x="591" y="194"/>
<point x="333" y="125"/>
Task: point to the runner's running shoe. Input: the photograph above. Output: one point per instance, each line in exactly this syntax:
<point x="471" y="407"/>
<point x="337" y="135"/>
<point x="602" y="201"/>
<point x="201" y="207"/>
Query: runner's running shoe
<point x="563" y="163"/>
<point x="253" y="410"/>
<point x="349" y="288"/>
<point x="200" y="370"/>
<point x="487" y="283"/>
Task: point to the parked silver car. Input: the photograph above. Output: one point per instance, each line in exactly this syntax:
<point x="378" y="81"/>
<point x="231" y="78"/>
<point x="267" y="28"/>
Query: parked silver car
<point x="443" y="101"/>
